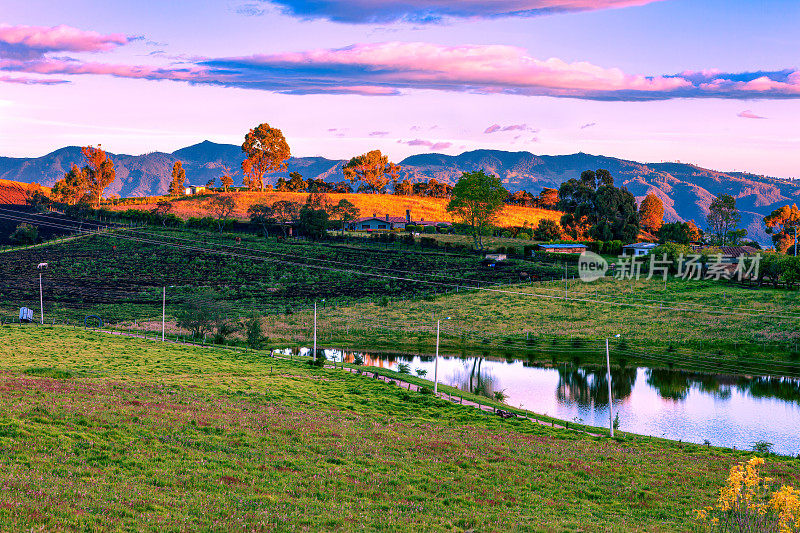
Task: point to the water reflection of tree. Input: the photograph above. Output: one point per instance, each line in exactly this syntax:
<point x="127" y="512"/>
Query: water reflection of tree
<point x="676" y="384"/>
<point x="473" y="378"/>
<point x="589" y="387"/>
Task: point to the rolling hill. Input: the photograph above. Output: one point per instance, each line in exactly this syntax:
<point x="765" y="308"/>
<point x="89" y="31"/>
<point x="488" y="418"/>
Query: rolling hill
<point x="686" y="190"/>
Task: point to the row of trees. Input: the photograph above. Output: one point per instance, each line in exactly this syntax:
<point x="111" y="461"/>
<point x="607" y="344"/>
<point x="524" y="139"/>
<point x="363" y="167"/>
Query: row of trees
<point x="312" y="218"/>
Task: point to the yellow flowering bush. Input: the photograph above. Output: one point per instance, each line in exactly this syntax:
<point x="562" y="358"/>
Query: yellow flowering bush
<point x="748" y="503"/>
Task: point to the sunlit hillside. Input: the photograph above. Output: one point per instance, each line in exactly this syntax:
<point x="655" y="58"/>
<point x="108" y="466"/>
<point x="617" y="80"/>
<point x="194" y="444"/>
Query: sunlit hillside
<point x="368" y="204"/>
<point x="13" y="192"/>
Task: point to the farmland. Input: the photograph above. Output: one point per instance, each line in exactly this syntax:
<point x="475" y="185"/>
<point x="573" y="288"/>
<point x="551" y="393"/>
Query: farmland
<point x="368" y="204"/>
<point x="120" y="275"/>
<point x="390" y="296"/>
<point x="108" y="432"/>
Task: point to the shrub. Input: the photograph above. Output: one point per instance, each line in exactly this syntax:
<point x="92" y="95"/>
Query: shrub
<point x="506" y="234"/>
<point x="403" y="368"/>
<point x="358" y="360"/>
<point x="24" y="234"/>
<point x="429" y="229"/>
<point x="524" y="236"/>
<point x="748" y="503"/>
<point x="547" y="230"/>
<point x="255" y="337"/>
<point x="384" y="301"/>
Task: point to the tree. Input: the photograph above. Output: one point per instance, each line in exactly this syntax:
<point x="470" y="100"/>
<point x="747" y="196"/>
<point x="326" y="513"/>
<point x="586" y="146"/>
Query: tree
<point x="210" y="183"/>
<point x="675" y="232"/>
<point x="267" y="151"/>
<point x="226" y="180"/>
<point x="199" y="316"/>
<point x="71" y="189"/>
<point x="651" y="213"/>
<point x="783" y="224"/>
<point x="178" y="178"/>
<point x="261" y="215"/>
<point x="99" y="172"/>
<point x="35" y="197"/>
<point x="547" y="230"/>
<point x="319" y="201"/>
<point x="285" y="212"/>
<point x="161" y="210"/>
<point x="313" y="223"/>
<point x="346" y="212"/>
<point x="723" y="216"/>
<point x="255" y="335"/>
<point x="617" y="218"/>
<point x="24" y="234"/>
<point x="373" y="169"/>
<point x="547" y="199"/>
<point x="296" y="182"/>
<point x="404" y="188"/>
<point x="222" y="206"/>
<point x="477" y="200"/>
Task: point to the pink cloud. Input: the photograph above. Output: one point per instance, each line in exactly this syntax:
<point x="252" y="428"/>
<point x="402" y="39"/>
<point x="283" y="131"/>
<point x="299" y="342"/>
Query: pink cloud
<point x="589" y="125"/>
<point x="749" y="114"/>
<point x="379" y="134"/>
<point x="31" y="81"/>
<point x="27" y="42"/>
<point x="386" y="69"/>
<point x="431" y="11"/>
<point x="514" y="127"/>
<point x="428" y="144"/>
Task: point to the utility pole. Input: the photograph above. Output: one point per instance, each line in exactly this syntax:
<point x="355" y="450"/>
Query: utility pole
<point x="565" y="280"/>
<point x="610" y="402"/>
<point x="41" y="298"/>
<point x="436" y="362"/>
<point x="315" y="331"/>
<point x="40" y="266"/>
<point x="163" y="312"/>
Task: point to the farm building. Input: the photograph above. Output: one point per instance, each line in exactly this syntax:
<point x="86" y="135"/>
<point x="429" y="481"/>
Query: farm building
<point x="638" y="249"/>
<point x="570" y="248"/>
<point x="376" y="222"/>
<point x="191" y="190"/>
<point x="388" y="222"/>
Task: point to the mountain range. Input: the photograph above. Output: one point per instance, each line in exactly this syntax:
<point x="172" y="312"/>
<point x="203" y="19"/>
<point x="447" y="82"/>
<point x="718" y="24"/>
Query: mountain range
<point x="686" y="190"/>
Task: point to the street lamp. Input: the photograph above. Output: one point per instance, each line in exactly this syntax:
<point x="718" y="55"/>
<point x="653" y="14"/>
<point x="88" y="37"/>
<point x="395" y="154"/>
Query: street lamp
<point x="40" y="266"/>
<point x="610" y="403"/>
<point x="436" y="361"/>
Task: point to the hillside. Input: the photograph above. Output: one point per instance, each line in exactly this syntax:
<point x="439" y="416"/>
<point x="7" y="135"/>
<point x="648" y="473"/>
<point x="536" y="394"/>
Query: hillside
<point x="368" y="204"/>
<point x="168" y="437"/>
<point x="686" y="190"/>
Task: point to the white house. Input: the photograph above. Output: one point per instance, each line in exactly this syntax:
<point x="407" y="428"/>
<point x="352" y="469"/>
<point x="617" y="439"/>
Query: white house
<point x="638" y="249"/>
<point x="191" y="190"/>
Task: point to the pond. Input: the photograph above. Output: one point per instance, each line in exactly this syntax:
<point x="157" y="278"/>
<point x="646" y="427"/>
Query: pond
<point x="726" y="410"/>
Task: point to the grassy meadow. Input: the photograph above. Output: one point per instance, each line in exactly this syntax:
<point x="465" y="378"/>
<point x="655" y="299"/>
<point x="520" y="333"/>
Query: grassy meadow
<point x="108" y="432"/>
<point x="368" y="204"/>
<point x="684" y="325"/>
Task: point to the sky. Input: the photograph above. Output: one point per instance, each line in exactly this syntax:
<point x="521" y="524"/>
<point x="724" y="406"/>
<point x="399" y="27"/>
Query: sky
<point x="716" y="82"/>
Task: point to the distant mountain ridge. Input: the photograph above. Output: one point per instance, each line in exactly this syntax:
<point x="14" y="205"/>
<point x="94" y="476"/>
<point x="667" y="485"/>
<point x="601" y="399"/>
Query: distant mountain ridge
<point x="686" y="190"/>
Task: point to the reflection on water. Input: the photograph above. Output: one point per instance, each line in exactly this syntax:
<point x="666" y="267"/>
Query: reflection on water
<point x="587" y="388"/>
<point x="728" y="410"/>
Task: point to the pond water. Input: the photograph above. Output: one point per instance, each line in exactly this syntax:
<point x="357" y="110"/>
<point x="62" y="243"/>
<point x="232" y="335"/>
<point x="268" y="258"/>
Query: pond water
<point x="727" y="410"/>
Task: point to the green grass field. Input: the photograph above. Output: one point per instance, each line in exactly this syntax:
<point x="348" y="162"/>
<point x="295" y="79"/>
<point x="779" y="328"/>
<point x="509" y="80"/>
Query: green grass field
<point x="107" y="432"/>
<point x="687" y="322"/>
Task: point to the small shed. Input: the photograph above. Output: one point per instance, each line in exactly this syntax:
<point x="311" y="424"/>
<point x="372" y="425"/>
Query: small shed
<point x="570" y="248"/>
<point x="638" y="249"/>
<point x="191" y="190"/>
<point x="496" y="257"/>
<point x="25" y="314"/>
